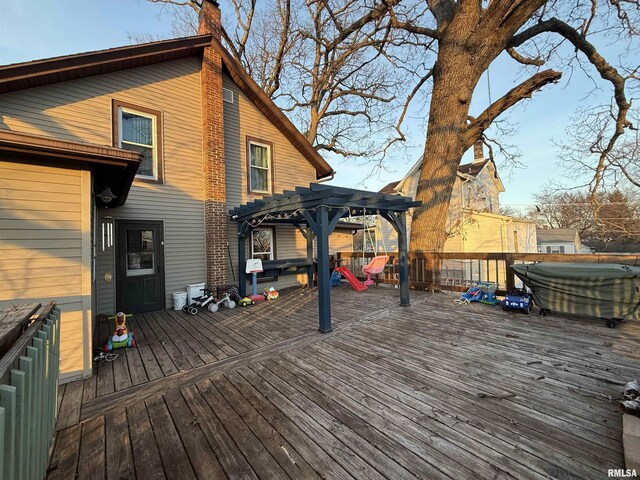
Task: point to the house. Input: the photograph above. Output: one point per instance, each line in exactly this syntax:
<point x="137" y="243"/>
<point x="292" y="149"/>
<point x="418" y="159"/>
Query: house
<point x="474" y="224"/>
<point x="118" y="170"/>
<point x="560" y="240"/>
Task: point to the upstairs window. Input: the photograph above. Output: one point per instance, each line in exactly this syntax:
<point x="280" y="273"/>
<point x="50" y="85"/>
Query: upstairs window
<point x="260" y="166"/>
<point x="138" y="129"/>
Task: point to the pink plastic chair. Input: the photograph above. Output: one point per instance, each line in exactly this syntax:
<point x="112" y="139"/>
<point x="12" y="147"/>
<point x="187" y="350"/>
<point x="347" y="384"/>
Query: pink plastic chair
<point x="375" y="266"/>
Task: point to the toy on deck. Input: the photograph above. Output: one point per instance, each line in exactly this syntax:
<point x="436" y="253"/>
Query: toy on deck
<point x="474" y="294"/>
<point x="225" y="300"/>
<point x="245" y="302"/>
<point x="489" y="298"/>
<point x="271" y="293"/>
<point x="518" y="299"/>
<point x="335" y="279"/>
<point x="254" y="267"/>
<point x="357" y="285"/>
<point x="122" y="336"/>
<point x="200" y="302"/>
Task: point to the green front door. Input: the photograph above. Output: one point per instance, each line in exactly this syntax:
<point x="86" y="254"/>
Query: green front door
<point x="139" y="266"/>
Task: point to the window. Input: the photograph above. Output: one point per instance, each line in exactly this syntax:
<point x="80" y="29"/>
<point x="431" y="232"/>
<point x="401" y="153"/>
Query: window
<point x="259" y="159"/>
<point x="262" y="245"/>
<point x="138" y="128"/>
<point x="555" y="249"/>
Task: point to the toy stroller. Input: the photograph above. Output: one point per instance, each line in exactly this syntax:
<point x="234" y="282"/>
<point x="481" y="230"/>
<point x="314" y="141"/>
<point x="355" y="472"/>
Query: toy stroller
<point x="200" y="302"/>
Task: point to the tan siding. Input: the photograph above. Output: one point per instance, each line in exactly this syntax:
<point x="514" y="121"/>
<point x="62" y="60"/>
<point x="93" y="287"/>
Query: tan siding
<point x="34" y="268"/>
<point x="80" y="110"/>
<point x="242" y="119"/>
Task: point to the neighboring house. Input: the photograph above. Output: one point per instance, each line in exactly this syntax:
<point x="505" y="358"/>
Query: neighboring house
<point x="474" y="224"/>
<point x="118" y="168"/>
<point x="560" y="240"/>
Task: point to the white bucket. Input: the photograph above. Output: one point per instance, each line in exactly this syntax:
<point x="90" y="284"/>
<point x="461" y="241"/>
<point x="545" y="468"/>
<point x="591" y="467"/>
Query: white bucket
<point x="195" y="290"/>
<point x="179" y="300"/>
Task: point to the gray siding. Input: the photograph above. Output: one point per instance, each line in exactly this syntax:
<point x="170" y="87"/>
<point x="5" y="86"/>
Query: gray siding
<point x="243" y="119"/>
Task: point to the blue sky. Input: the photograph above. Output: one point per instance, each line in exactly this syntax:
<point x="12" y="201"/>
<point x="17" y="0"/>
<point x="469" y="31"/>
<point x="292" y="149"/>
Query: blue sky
<point x="32" y="30"/>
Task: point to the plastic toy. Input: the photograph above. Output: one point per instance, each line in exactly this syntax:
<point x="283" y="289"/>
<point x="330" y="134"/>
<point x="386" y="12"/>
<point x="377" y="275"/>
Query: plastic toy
<point x="518" y="299"/>
<point x="254" y="266"/>
<point x="474" y="294"/>
<point x="246" y="301"/>
<point x="335" y="279"/>
<point x="226" y="301"/>
<point x="489" y="298"/>
<point x="357" y="285"/>
<point x="122" y="336"/>
<point x="271" y="293"/>
<point x="200" y="302"/>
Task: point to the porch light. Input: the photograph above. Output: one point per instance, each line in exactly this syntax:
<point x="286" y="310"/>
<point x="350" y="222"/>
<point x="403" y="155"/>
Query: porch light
<point x="106" y="195"/>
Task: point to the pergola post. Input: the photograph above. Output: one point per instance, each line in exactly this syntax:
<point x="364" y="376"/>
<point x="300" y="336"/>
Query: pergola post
<point x="324" y="306"/>
<point x="309" y="235"/>
<point x="404" y="258"/>
<point x="242" y="261"/>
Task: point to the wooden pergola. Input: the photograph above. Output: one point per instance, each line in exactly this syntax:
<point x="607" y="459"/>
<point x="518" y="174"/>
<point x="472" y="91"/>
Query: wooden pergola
<point x="315" y="211"/>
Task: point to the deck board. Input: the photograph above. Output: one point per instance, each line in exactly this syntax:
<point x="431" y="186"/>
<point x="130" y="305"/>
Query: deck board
<point x="434" y="390"/>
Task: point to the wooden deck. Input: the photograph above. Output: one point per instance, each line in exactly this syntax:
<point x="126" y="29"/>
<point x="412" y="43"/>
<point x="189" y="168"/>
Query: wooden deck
<point x="435" y="390"/>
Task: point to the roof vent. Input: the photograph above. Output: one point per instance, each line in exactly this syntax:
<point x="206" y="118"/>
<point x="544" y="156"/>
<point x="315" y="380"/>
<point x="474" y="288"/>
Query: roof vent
<point x="227" y="95"/>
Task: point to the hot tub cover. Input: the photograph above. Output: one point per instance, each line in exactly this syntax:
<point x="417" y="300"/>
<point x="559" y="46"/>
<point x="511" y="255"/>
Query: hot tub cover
<point x="603" y="290"/>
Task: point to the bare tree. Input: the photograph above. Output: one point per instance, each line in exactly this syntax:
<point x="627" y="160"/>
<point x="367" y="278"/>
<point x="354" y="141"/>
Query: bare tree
<point x="615" y="218"/>
<point x="338" y="88"/>
<point x="331" y="65"/>
<point x="470" y="35"/>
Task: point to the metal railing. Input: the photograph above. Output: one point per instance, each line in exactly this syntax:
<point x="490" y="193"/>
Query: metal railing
<point x="458" y="271"/>
<point x="28" y="398"/>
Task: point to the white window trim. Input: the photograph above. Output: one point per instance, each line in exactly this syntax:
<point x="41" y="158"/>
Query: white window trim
<point x="154" y="136"/>
<point x="268" y="169"/>
<point x="270" y="252"/>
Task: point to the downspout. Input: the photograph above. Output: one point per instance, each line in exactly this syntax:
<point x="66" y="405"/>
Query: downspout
<point x="326" y="178"/>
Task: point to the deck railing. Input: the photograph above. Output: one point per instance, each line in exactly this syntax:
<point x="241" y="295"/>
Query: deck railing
<point x="458" y="271"/>
<point x="28" y="398"/>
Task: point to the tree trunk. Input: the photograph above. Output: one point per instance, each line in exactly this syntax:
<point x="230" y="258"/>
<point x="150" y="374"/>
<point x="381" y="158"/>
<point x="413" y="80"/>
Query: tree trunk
<point x="456" y="74"/>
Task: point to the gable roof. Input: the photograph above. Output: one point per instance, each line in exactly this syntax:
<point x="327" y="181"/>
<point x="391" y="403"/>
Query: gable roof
<point x="472" y="169"/>
<point x="36" y="73"/>
<point x="389" y="187"/>
<point x="468" y="169"/>
<point x="557" y="235"/>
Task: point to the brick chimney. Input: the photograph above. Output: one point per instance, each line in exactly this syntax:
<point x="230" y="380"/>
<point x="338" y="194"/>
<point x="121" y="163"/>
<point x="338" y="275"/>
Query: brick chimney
<point x="215" y="204"/>
<point x="478" y="153"/>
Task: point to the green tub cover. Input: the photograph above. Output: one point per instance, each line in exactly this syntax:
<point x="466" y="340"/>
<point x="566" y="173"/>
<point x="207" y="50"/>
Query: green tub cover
<point x="603" y="290"/>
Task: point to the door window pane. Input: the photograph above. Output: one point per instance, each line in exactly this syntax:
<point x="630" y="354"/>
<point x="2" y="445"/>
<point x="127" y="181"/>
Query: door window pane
<point x="140" y="256"/>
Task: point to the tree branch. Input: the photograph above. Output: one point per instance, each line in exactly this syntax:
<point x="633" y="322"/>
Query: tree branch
<point x="538" y="62"/>
<point x="606" y="71"/>
<point x="513" y="96"/>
